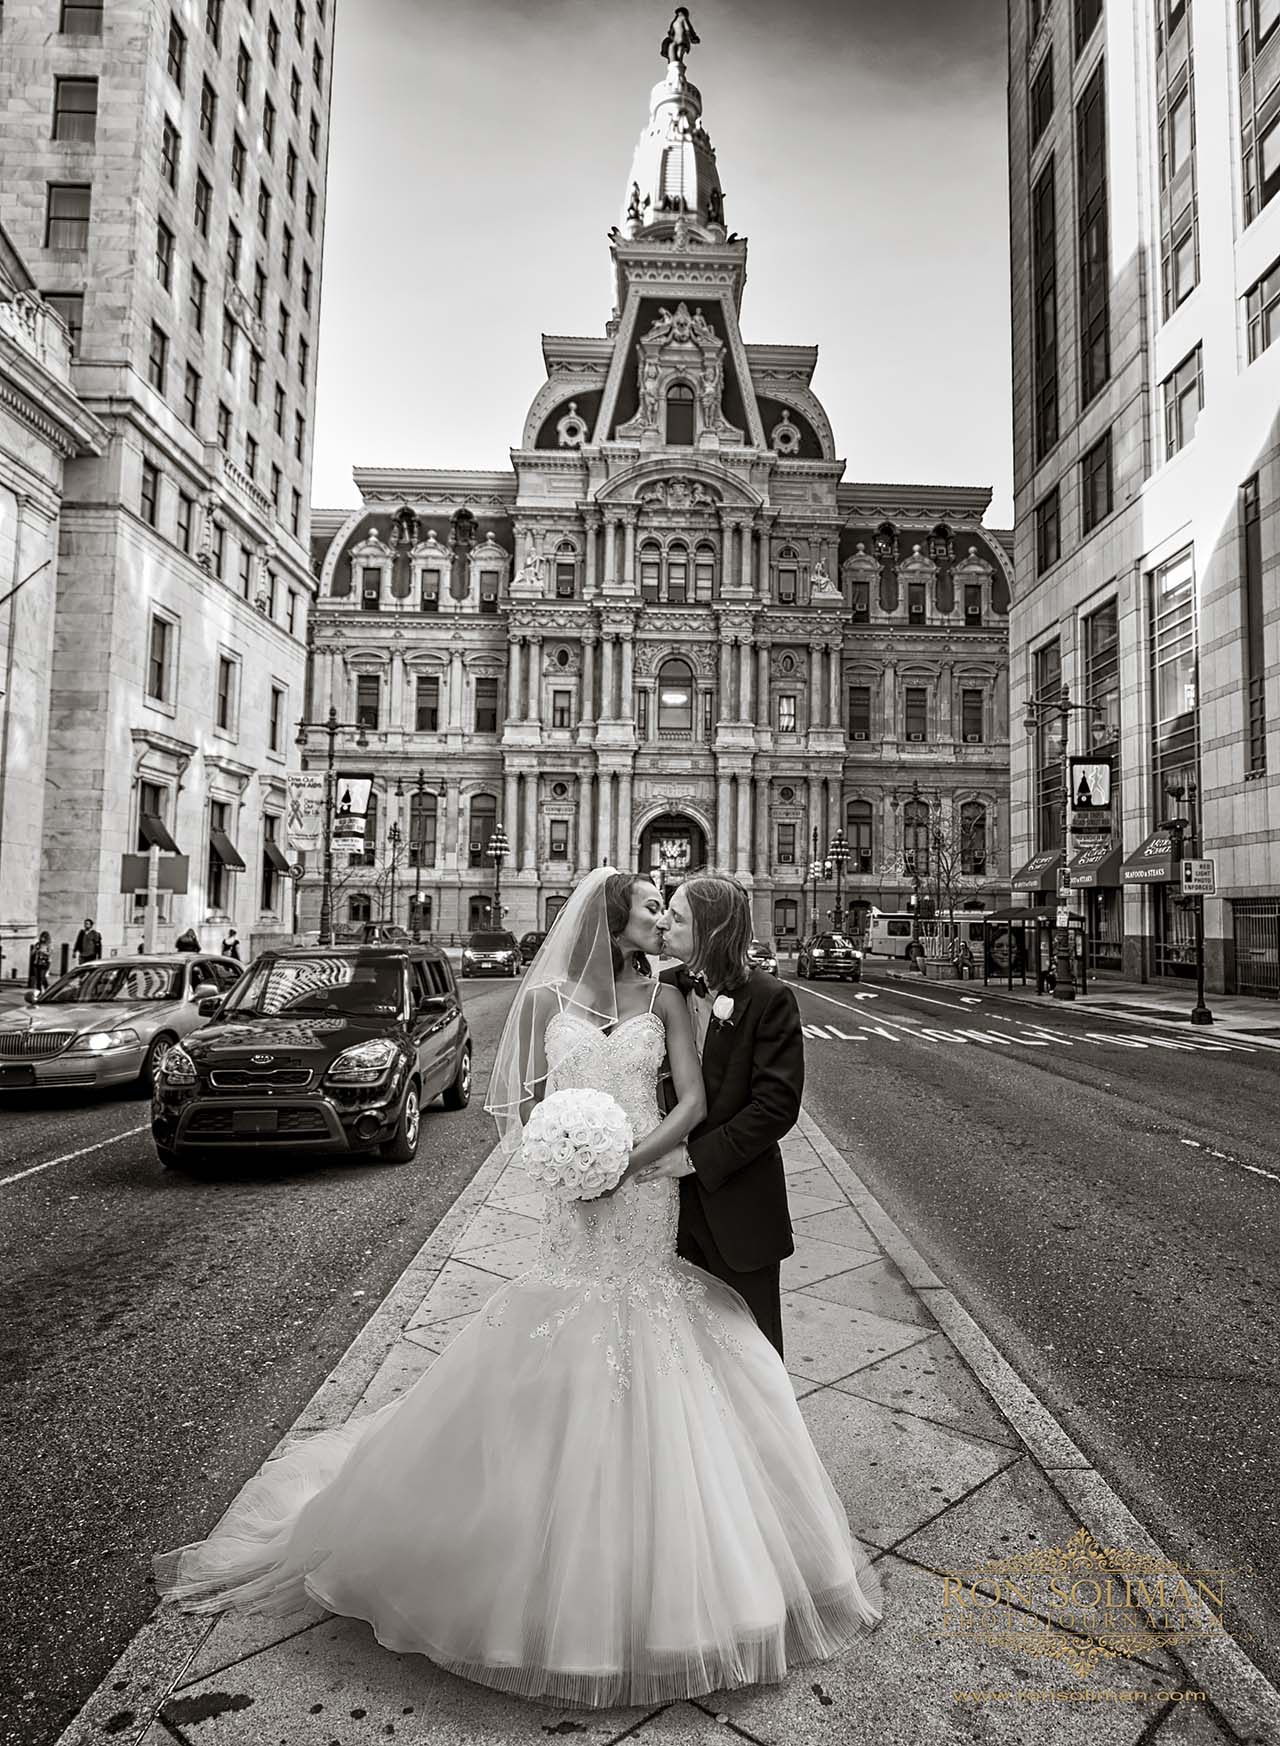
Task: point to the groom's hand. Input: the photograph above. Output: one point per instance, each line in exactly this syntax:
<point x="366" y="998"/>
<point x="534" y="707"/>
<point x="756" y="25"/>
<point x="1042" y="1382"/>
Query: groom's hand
<point x="675" y="1164"/>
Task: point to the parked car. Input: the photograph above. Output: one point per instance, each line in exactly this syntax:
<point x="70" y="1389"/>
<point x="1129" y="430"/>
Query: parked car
<point x="491" y="954"/>
<point x="762" y="955"/>
<point x="109" y="1022"/>
<point x="383" y="934"/>
<point x="334" y="1049"/>
<point x="829" y="955"/>
<point x="529" y="944"/>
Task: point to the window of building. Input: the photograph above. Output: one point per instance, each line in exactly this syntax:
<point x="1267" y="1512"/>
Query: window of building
<point x="224" y="426"/>
<point x="370" y="588"/>
<point x="427" y="705"/>
<point x="431" y="590"/>
<point x="1265" y="18"/>
<point x="788" y="576"/>
<point x="1182" y="262"/>
<point x="1174" y="664"/>
<point x="277" y="414"/>
<point x="213" y="21"/>
<point x="1102" y="677"/>
<point x="244" y="72"/>
<point x="246" y="572"/>
<point x="81" y="18"/>
<point x="160" y="659"/>
<point x="566" y="571"/>
<point x="483" y="815"/>
<point x="859" y="603"/>
<point x="1042" y="98"/>
<point x="1094" y="233"/>
<point x="196" y="293"/>
<point x="272" y="855"/>
<point x="282" y="332"/>
<point x="170" y="151"/>
<point x="1044" y="310"/>
<point x="786" y="844"/>
<point x="275" y="720"/>
<point x="295" y="512"/>
<point x="973" y="603"/>
<point x="153" y="803"/>
<point x="304" y="357"/>
<point x="650" y="571"/>
<point x="916" y="603"/>
<point x="704" y="573"/>
<point x="1177" y="135"/>
<point x="149" y="495"/>
<point x="224" y="709"/>
<point x="233" y="253"/>
<point x="277" y="493"/>
<point x="787" y="712"/>
<point x="1087" y="14"/>
<point x="680" y="415"/>
<point x="859" y="712"/>
<point x="273" y="40"/>
<point x="313" y="133"/>
<point x="209" y="115"/>
<point x="423" y="809"/>
<point x="291" y="610"/>
<point x="562" y="709"/>
<point x="299" y="435"/>
<point x="642" y="715"/>
<point x="286" y="251"/>
<point x="185" y="521"/>
<point x="255" y="375"/>
<point x="69" y="305"/>
<point x="558" y="839"/>
<point x="218" y="886"/>
<point x="251" y="456"/>
<point x="268" y="126"/>
<point x="1183" y="392"/>
<point x="176" y="53"/>
<point x="264" y="210"/>
<point x="359" y="908"/>
<point x="368" y="699"/>
<point x="1048" y="532"/>
<point x="786" y="918"/>
<point x="675" y="699"/>
<point x="317" y="64"/>
<point x="309" y="210"/>
<point x="164" y="255"/>
<point x="1096" y="486"/>
<point x="1169" y="15"/>
<point x="708" y="715"/>
<point x="916" y="838"/>
<point x="858" y="824"/>
<point x="75" y="109"/>
<point x="971" y="716"/>
<point x="237" y="163"/>
<point x="306" y="287"/>
<point x="916" y="712"/>
<point x="1046" y="688"/>
<point x="1255" y="660"/>
<point x="486" y="706"/>
<point x="1262" y="169"/>
<point x="678" y="573"/>
<point x="1262" y="309"/>
<point x="203" y="204"/>
<point x="489" y="592"/>
<point x="66" y="224"/>
<point x="973" y="838"/>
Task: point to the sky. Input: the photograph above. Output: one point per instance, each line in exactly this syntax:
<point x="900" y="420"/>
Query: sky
<point x="479" y="154"/>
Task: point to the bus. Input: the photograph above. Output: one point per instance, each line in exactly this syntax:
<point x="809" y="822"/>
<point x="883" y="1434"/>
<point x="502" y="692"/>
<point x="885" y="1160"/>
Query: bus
<point x="890" y="932"/>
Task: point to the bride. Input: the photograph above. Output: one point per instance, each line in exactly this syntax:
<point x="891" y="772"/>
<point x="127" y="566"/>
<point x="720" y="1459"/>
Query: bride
<point x="602" y="1492"/>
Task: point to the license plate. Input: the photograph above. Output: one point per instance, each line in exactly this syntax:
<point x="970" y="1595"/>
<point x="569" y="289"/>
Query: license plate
<point x="17" y="1075"/>
<point x="255" y="1121"/>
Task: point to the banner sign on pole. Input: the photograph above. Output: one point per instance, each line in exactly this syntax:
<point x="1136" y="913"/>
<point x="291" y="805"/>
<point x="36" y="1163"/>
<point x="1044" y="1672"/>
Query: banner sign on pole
<point x="173" y="874"/>
<point x="350" y="805"/>
<point x="304" y="824"/>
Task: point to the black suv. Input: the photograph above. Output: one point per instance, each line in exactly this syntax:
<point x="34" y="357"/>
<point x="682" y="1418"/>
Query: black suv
<point x="829" y="955"/>
<point x="491" y="953"/>
<point x="331" y="1048"/>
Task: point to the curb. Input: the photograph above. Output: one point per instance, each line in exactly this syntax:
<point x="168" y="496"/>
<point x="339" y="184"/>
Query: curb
<point x="1240" y="1691"/>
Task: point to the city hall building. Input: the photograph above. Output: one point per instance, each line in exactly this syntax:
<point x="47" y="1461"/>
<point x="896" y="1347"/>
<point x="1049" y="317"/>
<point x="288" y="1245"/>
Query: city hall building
<point x="671" y="637"/>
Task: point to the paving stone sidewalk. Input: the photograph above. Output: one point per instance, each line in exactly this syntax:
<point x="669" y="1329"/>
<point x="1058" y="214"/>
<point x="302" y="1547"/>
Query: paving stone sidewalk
<point x="942" y="1457"/>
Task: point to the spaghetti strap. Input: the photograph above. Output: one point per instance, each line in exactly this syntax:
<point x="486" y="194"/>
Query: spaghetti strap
<point x="653" y="997"/>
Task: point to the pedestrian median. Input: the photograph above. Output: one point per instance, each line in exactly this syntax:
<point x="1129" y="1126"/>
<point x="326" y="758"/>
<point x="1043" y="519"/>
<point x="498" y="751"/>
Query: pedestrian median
<point x="995" y="1538"/>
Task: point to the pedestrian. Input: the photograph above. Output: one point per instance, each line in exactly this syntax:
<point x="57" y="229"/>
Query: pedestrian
<point x="231" y="945"/>
<point x="188" y="942"/>
<point x="41" y="958"/>
<point x="88" y="943"/>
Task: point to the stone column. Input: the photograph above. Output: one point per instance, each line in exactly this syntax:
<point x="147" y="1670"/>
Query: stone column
<point x="535" y="679"/>
<point x="514" y="710"/>
<point x="815" y="686"/>
<point x="720" y="856"/>
<point x="948" y="724"/>
<point x="511" y="815"/>
<point x="586" y="824"/>
<point x="604" y="814"/>
<point x="888" y="701"/>
<point x="606" y="676"/>
<point x="452" y="817"/>
<point x="813" y="817"/>
<point x="725" y="711"/>
<point x="529" y="822"/>
<point x="744" y="556"/>
<point x="589" y="558"/>
<point x="834" y="654"/>
<point x="742" y="848"/>
<point x="625" y="858"/>
<point x="834" y="821"/>
<point x="746" y="673"/>
<point x="762" y="685"/>
<point x="629" y="557"/>
<point x="763" y="855"/>
<point x="762" y="565"/>
<point x="627" y="709"/>
<point x="610" y="553"/>
<point x="587" y="703"/>
<point x="455" y="691"/>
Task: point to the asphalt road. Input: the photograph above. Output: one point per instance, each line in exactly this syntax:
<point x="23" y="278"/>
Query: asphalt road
<point x="1106" y="1205"/>
<point x="160" y="1330"/>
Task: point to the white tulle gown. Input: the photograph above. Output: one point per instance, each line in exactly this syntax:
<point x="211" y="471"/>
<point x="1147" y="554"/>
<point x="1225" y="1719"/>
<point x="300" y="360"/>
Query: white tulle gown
<point x="601" y="1493"/>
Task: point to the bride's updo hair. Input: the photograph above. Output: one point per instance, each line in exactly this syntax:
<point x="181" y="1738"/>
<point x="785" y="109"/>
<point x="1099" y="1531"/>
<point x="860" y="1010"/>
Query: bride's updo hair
<point x="618" y="888"/>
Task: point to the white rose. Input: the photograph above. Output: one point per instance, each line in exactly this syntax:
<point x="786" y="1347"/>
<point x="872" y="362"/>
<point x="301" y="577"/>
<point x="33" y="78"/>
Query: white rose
<point x="722" y="1007"/>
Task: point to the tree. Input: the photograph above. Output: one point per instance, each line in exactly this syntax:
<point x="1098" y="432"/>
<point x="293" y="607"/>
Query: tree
<point x="940" y="853"/>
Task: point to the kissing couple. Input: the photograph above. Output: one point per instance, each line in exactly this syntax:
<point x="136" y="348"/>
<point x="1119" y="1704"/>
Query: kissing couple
<point x="602" y="1492"/>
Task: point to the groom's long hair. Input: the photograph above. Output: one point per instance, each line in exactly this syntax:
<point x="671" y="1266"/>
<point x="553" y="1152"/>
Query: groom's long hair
<point x="721" y="930"/>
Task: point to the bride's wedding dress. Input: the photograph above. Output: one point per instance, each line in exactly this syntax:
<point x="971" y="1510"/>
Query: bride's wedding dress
<point x="601" y="1493"/>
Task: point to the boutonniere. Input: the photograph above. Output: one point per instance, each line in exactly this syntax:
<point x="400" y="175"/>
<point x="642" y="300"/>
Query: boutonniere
<point x="722" y="1009"/>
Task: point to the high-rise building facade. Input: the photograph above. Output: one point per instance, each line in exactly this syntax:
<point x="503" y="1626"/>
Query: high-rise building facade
<point x="671" y="636"/>
<point x="162" y="171"/>
<point x="1145" y="165"/>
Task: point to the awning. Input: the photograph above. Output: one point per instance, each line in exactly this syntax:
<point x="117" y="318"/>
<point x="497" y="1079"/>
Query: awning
<point x="1097" y="864"/>
<point x="1040" y="873"/>
<point x="155" y="833"/>
<point x="226" y="851"/>
<point x="275" y="857"/>
<point x="1020" y="915"/>
<point x="1153" y="863"/>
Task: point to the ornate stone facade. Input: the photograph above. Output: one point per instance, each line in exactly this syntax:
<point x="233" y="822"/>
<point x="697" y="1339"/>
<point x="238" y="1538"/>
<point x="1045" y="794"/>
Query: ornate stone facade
<point x="642" y="645"/>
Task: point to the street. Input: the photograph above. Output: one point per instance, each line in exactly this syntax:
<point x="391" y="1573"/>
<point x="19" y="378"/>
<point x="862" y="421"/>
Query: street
<point x="162" y="1330"/>
<point x="1102" y="1203"/>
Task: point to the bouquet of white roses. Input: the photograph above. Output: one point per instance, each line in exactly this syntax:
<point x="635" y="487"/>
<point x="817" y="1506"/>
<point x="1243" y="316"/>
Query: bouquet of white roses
<point x="577" y="1143"/>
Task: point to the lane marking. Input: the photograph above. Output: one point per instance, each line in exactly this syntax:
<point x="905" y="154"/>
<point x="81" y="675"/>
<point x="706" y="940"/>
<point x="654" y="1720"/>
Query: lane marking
<point x="125" y="1133"/>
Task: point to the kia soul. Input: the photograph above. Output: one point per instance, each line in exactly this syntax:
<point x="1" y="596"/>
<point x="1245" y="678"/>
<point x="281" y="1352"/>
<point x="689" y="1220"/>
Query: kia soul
<point x="324" y="1048"/>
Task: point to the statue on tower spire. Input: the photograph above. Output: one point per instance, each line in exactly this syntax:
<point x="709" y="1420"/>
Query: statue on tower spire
<point x="680" y="38"/>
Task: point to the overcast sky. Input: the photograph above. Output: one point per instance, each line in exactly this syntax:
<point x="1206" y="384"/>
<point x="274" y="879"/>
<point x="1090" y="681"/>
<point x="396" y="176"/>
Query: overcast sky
<point x="479" y="154"/>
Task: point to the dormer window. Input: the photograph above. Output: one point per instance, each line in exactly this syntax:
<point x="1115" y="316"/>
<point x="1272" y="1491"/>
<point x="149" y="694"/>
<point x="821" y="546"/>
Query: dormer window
<point x="370" y="588"/>
<point x="916" y="611"/>
<point x="788" y="574"/>
<point x="680" y="415"/>
<point x="566" y="571"/>
<point x="489" y="591"/>
<point x="678" y="574"/>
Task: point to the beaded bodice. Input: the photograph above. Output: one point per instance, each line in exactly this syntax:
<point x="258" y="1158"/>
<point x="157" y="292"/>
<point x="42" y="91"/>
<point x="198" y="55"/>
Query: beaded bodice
<point x="631" y="1232"/>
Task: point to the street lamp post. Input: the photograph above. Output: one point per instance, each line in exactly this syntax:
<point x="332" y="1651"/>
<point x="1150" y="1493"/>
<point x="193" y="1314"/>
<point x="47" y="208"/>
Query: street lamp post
<point x="816" y="872"/>
<point x="415" y="849"/>
<point x="393" y="837"/>
<point x="499" y="848"/>
<point x="332" y="727"/>
<point x="1182" y="827"/>
<point x="838" y="855"/>
<point x="1037" y="713"/>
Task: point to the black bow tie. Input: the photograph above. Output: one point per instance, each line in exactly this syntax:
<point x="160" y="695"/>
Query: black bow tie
<point x="691" y="984"/>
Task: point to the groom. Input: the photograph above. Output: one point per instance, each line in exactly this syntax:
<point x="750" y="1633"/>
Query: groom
<point x="734" y="1220"/>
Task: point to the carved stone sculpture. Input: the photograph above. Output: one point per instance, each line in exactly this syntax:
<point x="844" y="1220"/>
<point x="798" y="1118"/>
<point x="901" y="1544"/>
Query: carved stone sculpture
<point x="680" y="38"/>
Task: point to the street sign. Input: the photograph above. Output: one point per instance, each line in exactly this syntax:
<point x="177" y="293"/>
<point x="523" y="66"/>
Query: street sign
<point x="1090" y="783"/>
<point x="1200" y="877"/>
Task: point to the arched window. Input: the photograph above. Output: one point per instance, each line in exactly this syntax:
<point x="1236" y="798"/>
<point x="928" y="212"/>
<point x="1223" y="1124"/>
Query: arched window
<point x="650" y="570"/>
<point x="484" y="821"/>
<point x="857" y="830"/>
<point x="359" y="908"/>
<point x="566" y="570"/>
<point x="678" y="572"/>
<point x="915" y="837"/>
<point x="704" y="572"/>
<point x="480" y="912"/>
<point x="554" y="906"/>
<point x="422" y="828"/>
<point x="675" y="698"/>
<point x="973" y="838"/>
<point x="680" y="415"/>
<point x="788" y="575"/>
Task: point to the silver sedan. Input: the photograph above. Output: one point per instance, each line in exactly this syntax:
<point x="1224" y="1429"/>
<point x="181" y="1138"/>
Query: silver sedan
<point x="109" y="1022"/>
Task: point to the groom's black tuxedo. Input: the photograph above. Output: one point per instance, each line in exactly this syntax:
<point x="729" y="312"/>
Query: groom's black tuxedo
<point x="734" y="1219"/>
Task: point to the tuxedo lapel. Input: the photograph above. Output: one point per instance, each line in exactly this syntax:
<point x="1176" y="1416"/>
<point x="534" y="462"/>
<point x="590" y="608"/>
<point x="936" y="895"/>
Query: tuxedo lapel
<point x="722" y="1039"/>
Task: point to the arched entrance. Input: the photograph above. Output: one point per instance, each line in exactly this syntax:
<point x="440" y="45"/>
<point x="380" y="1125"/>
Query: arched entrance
<point x="672" y="846"/>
